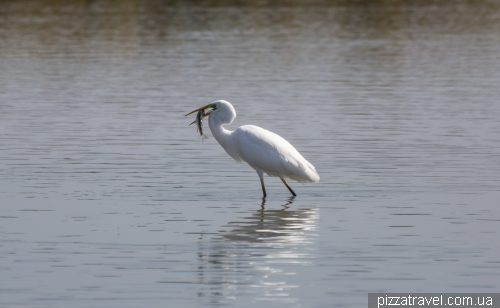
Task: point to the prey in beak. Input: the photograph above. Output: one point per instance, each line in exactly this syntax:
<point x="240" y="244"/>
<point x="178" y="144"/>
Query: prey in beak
<point x="199" y="118"/>
<point x="202" y="109"/>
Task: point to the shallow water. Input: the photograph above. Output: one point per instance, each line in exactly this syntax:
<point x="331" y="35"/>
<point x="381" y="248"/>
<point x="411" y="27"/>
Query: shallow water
<point x="109" y="199"/>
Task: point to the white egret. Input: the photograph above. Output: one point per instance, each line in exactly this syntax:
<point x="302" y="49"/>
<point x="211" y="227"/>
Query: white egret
<point x="263" y="150"/>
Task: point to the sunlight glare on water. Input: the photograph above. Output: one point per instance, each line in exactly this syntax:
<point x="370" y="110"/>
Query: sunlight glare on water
<point x="109" y="198"/>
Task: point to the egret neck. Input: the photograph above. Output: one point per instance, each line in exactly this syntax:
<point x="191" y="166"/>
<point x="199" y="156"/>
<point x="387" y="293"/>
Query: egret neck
<point x="216" y="122"/>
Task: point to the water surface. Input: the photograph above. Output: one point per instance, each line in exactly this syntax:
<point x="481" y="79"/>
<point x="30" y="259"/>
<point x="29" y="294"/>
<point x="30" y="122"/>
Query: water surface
<point x="109" y="198"/>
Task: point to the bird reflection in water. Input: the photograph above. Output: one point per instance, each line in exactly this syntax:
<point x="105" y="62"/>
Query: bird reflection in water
<point x="257" y="257"/>
<point x="285" y="206"/>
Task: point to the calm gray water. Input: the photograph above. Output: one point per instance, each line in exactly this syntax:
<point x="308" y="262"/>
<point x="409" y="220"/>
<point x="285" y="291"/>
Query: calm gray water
<point x="109" y="199"/>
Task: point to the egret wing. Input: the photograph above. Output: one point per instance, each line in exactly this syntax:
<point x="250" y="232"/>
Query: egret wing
<point x="269" y="152"/>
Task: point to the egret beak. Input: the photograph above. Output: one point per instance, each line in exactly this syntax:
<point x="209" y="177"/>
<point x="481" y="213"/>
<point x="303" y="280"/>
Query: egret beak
<point x="201" y="108"/>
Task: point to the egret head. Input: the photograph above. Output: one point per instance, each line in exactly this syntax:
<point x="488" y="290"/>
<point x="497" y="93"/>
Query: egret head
<point x="222" y="111"/>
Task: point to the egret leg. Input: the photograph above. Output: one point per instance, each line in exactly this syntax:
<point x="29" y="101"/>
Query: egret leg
<point x="263" y="187"/>
<point x="288" y="186"/>
<point x="261" y="176"/>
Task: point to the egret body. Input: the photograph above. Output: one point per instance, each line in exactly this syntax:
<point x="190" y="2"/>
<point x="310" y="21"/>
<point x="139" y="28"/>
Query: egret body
<point x="264" y="151"/>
